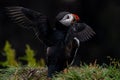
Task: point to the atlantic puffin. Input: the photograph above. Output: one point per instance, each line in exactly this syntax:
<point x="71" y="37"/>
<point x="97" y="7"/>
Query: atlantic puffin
<point x="62" y="40"/>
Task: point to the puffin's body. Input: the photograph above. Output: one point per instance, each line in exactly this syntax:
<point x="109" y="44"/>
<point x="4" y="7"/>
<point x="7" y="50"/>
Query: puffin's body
<point x="62" y="40"/>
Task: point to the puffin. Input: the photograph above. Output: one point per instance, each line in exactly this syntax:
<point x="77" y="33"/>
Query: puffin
<point x="62" y="39"/>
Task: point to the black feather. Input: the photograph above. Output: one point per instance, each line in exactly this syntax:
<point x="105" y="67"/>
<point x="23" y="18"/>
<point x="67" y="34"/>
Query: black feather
<point x="82" y="31"/>
<point x="87" y="32"/>
<point x="30" y="19"/>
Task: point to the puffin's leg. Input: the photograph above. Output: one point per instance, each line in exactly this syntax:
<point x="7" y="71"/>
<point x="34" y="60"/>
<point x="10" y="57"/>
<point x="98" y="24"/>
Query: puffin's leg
<point x="56" y="60"/>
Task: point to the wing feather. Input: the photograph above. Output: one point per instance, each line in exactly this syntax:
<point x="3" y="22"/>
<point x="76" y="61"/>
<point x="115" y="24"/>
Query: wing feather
<point x="80" y="30"/>
<point x="85" y="33"/>
<point x="30" y="19"/>
<point x="25" y="17"/>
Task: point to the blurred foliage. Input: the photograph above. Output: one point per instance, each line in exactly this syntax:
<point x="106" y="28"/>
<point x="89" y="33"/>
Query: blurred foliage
<point x="10" y="55"/>
<point x="113" y="61"/>
<point x="90" y="72"/>
<point x="23" y="73"/>
<point x="84" y="72"/>
<point x="37" y="71"/>
<point x="29" y="57"/>
<point x="6" y="73"/>
<point x="42" y="62"/>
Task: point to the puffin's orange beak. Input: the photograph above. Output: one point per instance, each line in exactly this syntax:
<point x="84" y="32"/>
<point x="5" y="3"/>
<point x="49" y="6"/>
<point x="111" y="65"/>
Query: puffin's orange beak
<point x="77" y="18"/>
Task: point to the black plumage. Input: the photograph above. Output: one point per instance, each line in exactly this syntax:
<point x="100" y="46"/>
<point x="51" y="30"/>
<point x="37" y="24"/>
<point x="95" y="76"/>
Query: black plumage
<point x="62" y="41"/>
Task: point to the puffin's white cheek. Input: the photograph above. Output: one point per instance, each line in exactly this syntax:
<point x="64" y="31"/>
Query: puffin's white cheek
<point x="66" y="22"/>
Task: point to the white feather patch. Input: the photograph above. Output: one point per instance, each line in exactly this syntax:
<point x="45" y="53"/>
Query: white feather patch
<point x="67" y="20"/>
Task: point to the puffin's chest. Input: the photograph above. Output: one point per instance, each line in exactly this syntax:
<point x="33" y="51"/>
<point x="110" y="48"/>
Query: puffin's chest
<point x="58" y="35"/>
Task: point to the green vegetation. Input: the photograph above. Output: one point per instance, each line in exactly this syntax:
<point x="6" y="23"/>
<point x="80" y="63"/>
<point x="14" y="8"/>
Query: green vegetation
<point x="90" y="72"/>
<point x="29" y="57"/>
<point x="34" y="70"/>
<point x="84" y="72"/>
<point x="23" y="73"/>
<point x="10" y="56"/>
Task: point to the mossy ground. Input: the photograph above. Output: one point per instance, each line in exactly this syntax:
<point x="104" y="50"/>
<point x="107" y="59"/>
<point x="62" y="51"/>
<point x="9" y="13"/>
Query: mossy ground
<point x="84" y="72"/>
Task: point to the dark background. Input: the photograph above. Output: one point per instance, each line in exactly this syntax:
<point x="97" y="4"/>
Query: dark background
<point x="102" y="15"/>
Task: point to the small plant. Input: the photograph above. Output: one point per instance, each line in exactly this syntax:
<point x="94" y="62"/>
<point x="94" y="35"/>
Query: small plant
<point x="29" y="57"/>
<point x="41" y="62"/>
<point x="113" y="61"/>
<point x="10" y="56"/>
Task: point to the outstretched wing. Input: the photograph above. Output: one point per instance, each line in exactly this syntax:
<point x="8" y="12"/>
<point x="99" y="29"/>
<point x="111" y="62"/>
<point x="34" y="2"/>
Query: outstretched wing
<point x="30" y="19"/>
<point x="77" y="33"/>
<point x="25" y="17"/>
<point x="81" y="31"/>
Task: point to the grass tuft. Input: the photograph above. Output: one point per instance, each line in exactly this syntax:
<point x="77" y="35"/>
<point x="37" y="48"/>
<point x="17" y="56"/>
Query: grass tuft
<point x="84" y="72"/>
<point x="90" y="72"/>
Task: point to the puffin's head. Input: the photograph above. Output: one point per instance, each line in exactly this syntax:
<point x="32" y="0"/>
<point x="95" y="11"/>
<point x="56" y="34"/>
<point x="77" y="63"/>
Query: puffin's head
<point x="67" y="18"/>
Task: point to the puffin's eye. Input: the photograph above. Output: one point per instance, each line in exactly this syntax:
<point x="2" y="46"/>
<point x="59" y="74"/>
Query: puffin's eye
<point x="67" y="17"/>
